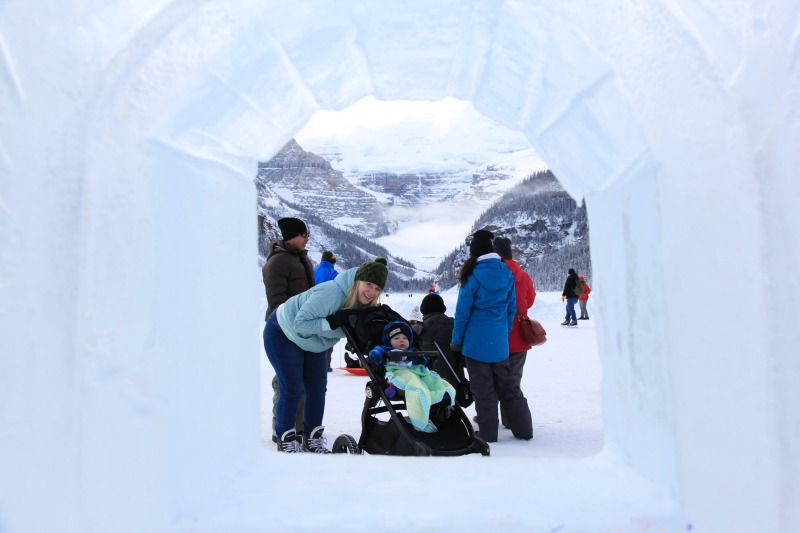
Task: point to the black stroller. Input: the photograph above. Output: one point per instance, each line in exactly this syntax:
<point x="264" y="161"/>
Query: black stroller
<point x="394" y="435"/>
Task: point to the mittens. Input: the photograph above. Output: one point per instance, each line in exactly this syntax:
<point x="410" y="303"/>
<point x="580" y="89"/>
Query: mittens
<point x="419" y="360"/>
<point x="339" y="318"/>
<point x="376" y="355"/>
<point x="562" y="298"/>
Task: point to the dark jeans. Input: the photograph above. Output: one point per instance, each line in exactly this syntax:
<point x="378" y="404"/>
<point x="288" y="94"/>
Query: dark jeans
<point x="296" y="369"/>
<point x="491" y="382"/>
<point x="571" y="309"/>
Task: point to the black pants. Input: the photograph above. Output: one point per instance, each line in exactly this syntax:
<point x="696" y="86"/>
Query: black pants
<point x="517" y="361"/>
<point x="493" y="382"/>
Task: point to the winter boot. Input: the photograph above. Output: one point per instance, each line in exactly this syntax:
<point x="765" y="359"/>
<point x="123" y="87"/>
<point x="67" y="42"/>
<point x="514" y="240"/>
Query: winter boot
<point x="315" y="442"/>
<point x="565" y="323"/>
<point x="288" y="442"/>
<point x="573" y="323"/>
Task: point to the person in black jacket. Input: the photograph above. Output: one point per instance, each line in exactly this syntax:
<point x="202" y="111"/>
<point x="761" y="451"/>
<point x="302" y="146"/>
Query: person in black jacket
<point x="572" y="298"/>
<point x="287" y="272"/>
<point x="438" y="327"/>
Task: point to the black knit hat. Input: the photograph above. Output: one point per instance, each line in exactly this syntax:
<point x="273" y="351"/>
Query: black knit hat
<point x="328" y="256"/>
<point x="395" y="328"/>
<point x="432" y="303"/>
<point x="571" y="271"/>
<point x="481" y="243"/>
<point x="502" y="245"/>
<point x="373" y="272"/>
<point x="291" y="227"/>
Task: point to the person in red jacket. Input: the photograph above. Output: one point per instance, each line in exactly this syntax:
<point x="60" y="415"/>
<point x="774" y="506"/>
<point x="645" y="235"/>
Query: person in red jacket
<point x="526" y="294"/>
<point x="583" y="299"/>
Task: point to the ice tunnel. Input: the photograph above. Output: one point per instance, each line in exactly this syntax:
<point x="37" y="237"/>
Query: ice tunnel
<point x="130" y="136"/>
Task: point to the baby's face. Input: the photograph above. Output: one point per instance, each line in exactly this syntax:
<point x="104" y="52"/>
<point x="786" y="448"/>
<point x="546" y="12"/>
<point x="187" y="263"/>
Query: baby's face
<point x="399" y="341"/>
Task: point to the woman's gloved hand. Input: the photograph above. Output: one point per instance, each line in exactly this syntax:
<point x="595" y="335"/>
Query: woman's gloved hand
<point x="562" y="298"/>
<point x="339" y="318"/>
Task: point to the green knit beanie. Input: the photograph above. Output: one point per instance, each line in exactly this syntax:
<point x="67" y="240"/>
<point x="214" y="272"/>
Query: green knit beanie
<point x="373" y="272"/>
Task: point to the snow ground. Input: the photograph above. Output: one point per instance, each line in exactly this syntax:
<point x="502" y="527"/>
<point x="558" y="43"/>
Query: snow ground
<point x="561" y="381"/>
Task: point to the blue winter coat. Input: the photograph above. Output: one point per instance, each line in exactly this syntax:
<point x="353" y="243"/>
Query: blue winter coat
<point x="324" y="272"/>
<point x="303" y="317"/>
<point x="485" y="311"/>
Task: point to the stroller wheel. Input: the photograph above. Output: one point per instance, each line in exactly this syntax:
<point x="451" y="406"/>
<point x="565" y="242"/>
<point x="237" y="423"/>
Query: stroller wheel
<point x="345" y="444"/>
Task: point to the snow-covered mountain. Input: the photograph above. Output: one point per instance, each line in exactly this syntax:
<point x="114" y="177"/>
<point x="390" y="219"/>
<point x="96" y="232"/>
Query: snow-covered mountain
<point x="549" y="233"/>
<point x="374" y="168"/>
<point x="416" y="178"/>
<point x="412" y="153"/>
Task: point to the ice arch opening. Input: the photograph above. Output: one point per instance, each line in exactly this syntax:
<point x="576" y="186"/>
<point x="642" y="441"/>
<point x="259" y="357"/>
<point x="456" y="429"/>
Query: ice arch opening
<point x="179" y="110"/>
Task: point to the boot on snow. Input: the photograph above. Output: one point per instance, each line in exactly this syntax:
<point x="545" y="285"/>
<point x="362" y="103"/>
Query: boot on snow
<point x="315" y="442"/>
<point x="288" y="442"/>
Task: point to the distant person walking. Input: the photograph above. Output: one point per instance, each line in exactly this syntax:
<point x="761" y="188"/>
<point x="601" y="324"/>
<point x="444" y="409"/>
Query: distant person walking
<point x="571" y="296"/>
<point x="526" y="294"/>
<point x="287" y="272"/>
<point x="297" y="337"/>
<point x="325" y="272"/>
<point x="484" y="317"/>
<point x="583" y="299"/>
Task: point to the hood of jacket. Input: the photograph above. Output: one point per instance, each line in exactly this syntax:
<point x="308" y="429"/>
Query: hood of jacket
<point x="488" y="272"/>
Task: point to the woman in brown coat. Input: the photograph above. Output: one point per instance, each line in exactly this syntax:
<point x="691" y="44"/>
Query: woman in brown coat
<point x="287" y="272"/>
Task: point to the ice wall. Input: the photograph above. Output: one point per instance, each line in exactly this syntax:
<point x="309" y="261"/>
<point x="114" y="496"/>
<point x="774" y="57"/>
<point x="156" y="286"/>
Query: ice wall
<point x="130" y="135"/>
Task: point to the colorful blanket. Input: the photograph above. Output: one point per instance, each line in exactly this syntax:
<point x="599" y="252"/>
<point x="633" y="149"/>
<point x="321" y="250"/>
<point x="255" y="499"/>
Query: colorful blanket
<point x="422" y="388"/>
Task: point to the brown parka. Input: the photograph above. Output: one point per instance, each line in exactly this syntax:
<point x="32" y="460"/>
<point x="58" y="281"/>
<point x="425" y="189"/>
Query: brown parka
<point x="286" y="273"/>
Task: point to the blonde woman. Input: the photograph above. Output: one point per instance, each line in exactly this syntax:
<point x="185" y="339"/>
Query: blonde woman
<point x="297" y="337"/>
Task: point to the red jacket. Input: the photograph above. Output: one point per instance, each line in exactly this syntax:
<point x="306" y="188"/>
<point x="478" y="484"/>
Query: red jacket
<point x="526" y="294"/>
<point x="585" y="295"/>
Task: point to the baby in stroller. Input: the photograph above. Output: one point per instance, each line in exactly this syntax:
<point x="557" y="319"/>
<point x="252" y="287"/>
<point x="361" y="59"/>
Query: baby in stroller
<point x="411" y="374"/>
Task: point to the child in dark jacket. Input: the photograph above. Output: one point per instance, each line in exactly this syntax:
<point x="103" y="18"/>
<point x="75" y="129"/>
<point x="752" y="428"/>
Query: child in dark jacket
<point x="423" y="387"/>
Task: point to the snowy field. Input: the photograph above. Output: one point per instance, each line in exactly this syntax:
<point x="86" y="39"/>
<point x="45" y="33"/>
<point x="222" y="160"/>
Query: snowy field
<point x="561" y="381"/>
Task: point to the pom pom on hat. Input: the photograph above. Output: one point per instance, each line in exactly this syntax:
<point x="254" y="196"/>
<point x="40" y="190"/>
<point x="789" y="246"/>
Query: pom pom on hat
<point x="432" y="303"/>
<point x="291" y="227"/>
<point x="481" y="243"/>
<point x="502" y="245"/>
<point x="373" y="272"/>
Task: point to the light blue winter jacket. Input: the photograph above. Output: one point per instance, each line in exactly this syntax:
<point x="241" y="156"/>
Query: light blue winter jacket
<point x="485" y="311"/>
<point x="302" y="317"/>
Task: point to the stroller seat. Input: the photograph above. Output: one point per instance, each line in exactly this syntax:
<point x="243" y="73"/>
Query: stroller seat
<point x="385" y="429"/>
